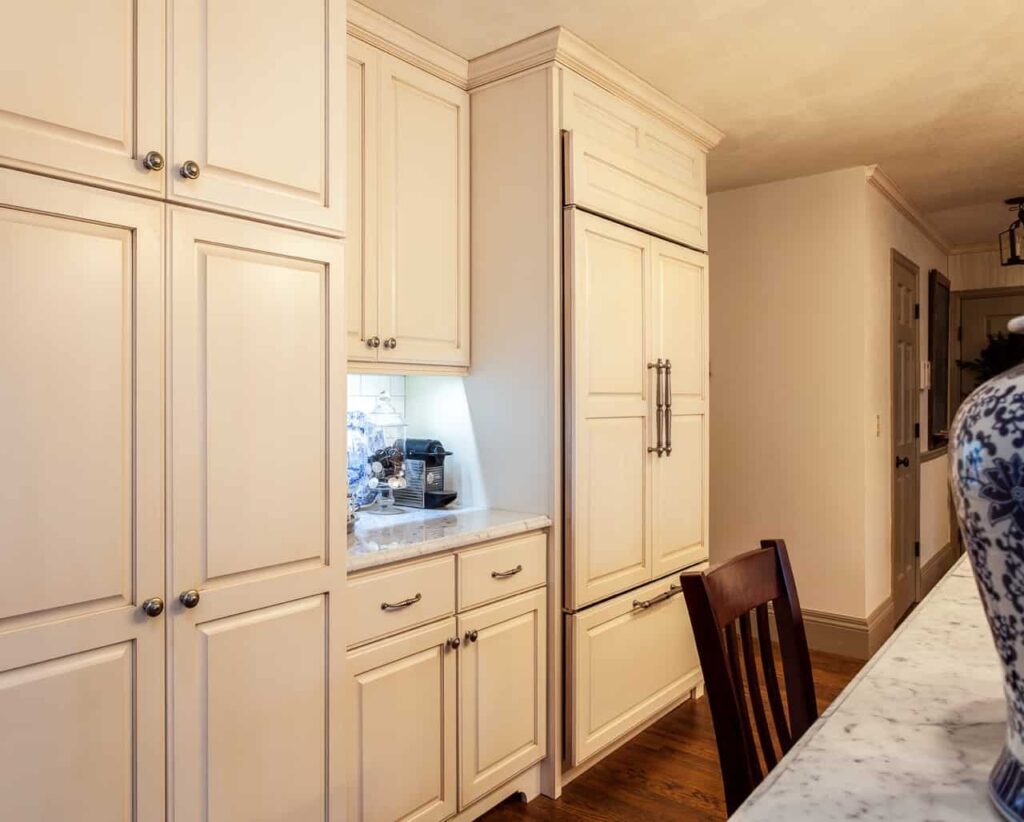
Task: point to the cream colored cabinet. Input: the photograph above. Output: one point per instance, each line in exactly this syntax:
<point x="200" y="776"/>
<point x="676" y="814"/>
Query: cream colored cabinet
<point x="257" y="109"/>
<point x="502" y="692"/>
<point x="257" y="395"/>
<point x="638" y="508"/>
<point x="631" y="657"/>
<point x="409" y="133"/>
<point x="401" y="704"/>
<point x="81" y="502"/>
<point x="82" y="90"/>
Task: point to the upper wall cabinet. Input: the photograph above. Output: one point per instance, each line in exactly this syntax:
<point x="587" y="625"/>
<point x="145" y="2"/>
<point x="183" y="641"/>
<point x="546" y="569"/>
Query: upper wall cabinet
<point x="257" y="108"/>
<point x="629" y="165"/>
<point x="82" y="91"/>
<point x="408" y="254"/>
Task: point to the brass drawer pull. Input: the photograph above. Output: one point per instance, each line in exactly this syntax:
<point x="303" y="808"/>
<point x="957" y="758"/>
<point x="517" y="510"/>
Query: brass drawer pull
<point x="506" y="574"/>
<point x="405" y="603"/>
<point x="644" y="604"/>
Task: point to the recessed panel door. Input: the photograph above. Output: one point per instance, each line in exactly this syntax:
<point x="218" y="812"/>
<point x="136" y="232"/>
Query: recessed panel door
<point x="257" y="114"/>
<point x="610" y="410"/>
<point x="257" y="540"/>
<point x="82" y="90"/>
<point x="680" y="486"/>
<point x="81" y="503"/>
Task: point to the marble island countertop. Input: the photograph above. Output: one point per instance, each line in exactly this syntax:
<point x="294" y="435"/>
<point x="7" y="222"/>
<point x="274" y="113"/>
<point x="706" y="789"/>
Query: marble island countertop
<point x="379" y="539"/>
<point x="913" y="736"/>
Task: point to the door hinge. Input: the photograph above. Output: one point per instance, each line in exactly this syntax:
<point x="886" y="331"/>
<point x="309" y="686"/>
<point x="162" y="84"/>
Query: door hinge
<point x="917" y="549"/>
<point x="917" y="430"/>
<point x="917" y="311"/>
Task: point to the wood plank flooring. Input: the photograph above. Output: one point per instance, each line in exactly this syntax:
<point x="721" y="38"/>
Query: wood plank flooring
<point x="670" y="771"/>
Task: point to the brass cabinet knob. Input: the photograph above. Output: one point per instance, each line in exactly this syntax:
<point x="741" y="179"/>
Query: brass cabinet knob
<point x="189" y="598"/>
<point x="373" y="342"/>
<point x="391" y="342"/>
<point x="190" y="169"/>
<point x="154" y="161"/>
<point x="153" y="607"/>
<point x="471" y="636"/>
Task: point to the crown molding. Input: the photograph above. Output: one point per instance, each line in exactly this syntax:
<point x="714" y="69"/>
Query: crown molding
<point x="974" y="248"/>
<point x="385" y="34"/>
<point x="885" y="184"/>
<point x="559" y="45"/>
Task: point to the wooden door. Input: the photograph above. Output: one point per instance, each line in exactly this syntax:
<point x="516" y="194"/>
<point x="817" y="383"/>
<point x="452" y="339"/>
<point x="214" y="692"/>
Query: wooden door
<point x="362" y="169"/>
<point x="257" y="479"/>
<point x="81" y="503"/>
<point x="610" y="407"/>
<point x="502" y="692"/>
<point x="905" y="443"/>
<point x="258" y="104"/>
<point x="401" y="708"/>
<point x="679" y="490"/>
<point x="983" y="316"/>
<point x="424" y="217"/>
<point x="82" y="89"/>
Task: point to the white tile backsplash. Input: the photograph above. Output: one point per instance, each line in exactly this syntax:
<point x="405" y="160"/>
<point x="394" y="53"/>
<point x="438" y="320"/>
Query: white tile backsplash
<point x="363" y="390"/>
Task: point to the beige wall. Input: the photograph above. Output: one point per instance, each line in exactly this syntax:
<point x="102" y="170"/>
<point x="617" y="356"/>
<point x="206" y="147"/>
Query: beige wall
<point x="982" y="270"/>
<point x="800" y="392"/>
<point x="788" y="379"/>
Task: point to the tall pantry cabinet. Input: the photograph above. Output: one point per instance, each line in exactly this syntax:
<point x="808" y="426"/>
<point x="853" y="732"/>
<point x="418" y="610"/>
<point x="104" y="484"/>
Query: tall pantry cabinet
<point x="603" y="179"/>
<point x="172" y="416"/>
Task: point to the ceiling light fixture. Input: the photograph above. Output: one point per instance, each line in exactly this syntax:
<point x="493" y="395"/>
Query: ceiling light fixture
<point x="1011" y="241"/>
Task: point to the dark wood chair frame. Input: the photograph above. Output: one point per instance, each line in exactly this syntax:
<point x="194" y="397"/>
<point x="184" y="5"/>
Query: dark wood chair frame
<point x="718" y="600"/>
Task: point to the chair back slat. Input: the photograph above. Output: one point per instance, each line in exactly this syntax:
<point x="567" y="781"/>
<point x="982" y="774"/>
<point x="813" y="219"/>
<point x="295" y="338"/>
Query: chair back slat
<point x="719" y="598"/>
<point x="764" y="735"/>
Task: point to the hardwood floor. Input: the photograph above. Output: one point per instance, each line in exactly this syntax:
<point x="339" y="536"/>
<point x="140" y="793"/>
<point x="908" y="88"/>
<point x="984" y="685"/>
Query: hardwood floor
<point x="670" y="771"/>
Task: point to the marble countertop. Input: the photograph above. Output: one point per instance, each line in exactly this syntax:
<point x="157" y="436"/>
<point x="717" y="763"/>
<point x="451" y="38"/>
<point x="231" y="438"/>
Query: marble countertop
<point x="380" y="539"/>
<point x="913" y="736"/>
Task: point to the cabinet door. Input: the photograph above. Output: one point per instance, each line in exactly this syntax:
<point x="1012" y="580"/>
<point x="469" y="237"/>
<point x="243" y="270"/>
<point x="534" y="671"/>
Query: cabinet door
<point x="81" y="502"/>
<point x="627" y="663"/>
<point x="258" y="103"/>
<point x="257" y="462"/>
<point x="502" y="692"/>
<point x="424" y="228"/>
<point x="680" y="487"/>
<point x="400" y="704"/>
<point x="362" y="168"/>
<point x="82" y="89"/>
<point x="611" y="408"/>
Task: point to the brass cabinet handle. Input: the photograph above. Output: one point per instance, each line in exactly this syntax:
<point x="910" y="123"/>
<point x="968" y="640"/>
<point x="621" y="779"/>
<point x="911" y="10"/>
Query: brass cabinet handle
<point x="471" y="636"/>
<point x="668" y="408"/>
<point x="391" y="343"/>
<point x="405" y="603"/>
<point x="644" y="604"/>
<point x="153" y="607"/>
<point x="506" y="574"/>
<point x="189" y="598"/>
<point x="453" y="643"/>
<point x="153" y="161"/>
<point x="659" y="409"/>
<point x="373" y="342"/>
<point x="189" y="170"/>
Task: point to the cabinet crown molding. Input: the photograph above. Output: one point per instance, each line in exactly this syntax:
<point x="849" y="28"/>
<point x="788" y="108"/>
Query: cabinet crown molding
<point x="385" y="34"/>
<point x="561" y="46"/>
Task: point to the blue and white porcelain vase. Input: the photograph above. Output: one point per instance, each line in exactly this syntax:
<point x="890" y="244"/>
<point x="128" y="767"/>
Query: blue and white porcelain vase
<point x="987" y="478"/>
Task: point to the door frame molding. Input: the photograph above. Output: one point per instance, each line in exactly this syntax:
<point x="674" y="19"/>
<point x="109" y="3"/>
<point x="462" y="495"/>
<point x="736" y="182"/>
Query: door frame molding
<point x="901" y="259"/>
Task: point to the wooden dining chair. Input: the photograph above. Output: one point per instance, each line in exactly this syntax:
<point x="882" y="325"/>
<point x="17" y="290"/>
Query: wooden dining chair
<point x="720" y="599"/>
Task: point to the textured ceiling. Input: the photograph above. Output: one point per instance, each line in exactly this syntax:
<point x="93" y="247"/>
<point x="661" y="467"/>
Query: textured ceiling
<point x="933" y="90"/>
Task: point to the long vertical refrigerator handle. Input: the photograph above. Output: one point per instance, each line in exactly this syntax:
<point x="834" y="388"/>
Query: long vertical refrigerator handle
<point x="660" y="405"/>
<point x="667" y="408"/>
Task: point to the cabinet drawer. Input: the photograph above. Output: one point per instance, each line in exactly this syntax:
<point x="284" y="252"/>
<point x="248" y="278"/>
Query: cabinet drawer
<point x="502" y="569"/>
<point x="388" y="601"/>
<point x="628" y="663"/>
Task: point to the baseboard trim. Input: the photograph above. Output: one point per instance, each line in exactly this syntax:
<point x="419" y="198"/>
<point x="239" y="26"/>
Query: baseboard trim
<point x="935" y="568"/>
<point x="855" y="637"/>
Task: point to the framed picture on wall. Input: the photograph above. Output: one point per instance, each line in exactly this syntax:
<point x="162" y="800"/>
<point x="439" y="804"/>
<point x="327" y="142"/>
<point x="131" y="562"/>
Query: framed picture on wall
<point x="938" y="356"/>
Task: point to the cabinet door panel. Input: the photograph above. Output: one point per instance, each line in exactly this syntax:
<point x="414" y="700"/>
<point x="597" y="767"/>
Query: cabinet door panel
<point x="424" y="230"/>
<point x="269" y="143"/>
<point x="610" y="387"/>
<point x="82" y="89"/>
<point x="503" y="692"/>
<point x="363" y="171"/>
<point x="81" y="502"/>
<point x="680" y="487"/>
<point x="257" y="415"/>
<point x="400" y="702"/>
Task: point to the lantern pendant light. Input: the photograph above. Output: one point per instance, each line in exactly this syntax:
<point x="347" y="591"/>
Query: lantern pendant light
<point x="1011" y="241"/>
